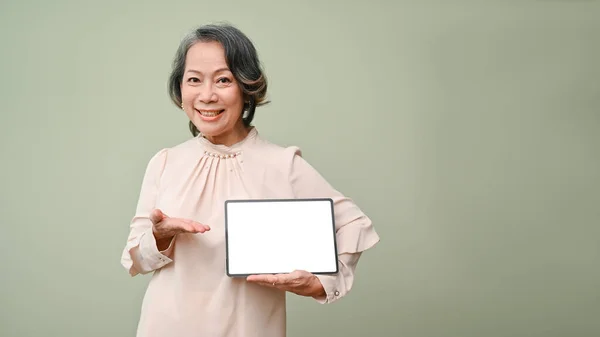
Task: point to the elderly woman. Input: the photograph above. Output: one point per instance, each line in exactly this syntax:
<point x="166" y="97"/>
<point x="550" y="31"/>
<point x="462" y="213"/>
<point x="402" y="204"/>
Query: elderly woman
<point x="177" y="232"/>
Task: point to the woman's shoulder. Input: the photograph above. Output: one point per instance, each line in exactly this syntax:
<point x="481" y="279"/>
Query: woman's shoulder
<point x="176" y="152"/>
<point x="272" y="151"/>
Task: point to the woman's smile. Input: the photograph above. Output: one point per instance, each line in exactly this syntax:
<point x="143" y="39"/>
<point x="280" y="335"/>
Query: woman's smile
<point x="209" y="115"/>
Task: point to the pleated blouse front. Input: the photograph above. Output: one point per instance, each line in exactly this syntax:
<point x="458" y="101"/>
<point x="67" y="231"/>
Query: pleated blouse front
<point x="190" y="293"/>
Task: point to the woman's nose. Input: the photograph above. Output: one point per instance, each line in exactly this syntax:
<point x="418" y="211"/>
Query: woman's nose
<point x="207" y="93"/>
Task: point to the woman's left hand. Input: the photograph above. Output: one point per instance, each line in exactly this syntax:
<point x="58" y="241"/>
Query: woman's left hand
<point x="299" y="282"/>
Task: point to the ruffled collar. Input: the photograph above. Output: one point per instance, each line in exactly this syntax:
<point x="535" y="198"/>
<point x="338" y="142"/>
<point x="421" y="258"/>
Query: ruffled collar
<point x="232" y="149"/>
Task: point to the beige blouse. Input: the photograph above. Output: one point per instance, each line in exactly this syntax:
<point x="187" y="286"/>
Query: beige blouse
<point x="190" y="294"/>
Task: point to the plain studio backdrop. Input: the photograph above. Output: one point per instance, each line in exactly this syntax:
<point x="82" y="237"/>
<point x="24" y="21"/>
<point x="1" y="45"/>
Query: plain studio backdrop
<point x="469" y="131"/>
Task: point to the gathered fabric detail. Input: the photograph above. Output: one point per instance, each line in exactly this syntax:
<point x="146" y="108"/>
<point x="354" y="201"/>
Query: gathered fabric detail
<point x="190" y="292"/>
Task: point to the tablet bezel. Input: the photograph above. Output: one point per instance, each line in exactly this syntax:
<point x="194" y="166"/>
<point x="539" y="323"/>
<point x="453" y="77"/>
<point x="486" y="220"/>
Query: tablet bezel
<point x="333" y="232"/>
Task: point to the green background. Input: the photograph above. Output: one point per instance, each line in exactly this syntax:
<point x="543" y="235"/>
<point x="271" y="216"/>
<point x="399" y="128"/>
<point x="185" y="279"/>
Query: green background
<point x="467" y="130"/>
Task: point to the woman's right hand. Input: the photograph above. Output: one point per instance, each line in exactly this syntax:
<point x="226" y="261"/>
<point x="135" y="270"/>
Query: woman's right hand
<point x="165" y="228"/>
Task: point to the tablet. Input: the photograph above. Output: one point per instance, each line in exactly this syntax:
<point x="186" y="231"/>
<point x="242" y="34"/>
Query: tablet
<point x="272" y="236"/>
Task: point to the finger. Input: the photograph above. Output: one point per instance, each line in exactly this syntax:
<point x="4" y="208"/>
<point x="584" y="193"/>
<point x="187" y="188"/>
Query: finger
<point x="286" y="278"/>
<point x="156" y="216"/>
<point x="198" y="226"/>
<point x="264" y="279"/>
<point x="191" y="226"/>
<point x="256" y="278"/>
<point x="273" y="285"/>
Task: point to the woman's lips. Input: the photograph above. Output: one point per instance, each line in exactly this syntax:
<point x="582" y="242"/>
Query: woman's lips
<point x="209" y="113"/>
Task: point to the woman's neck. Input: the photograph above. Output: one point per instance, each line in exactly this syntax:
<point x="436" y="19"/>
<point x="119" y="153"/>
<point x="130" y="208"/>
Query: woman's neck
<point x="236" y="135"/>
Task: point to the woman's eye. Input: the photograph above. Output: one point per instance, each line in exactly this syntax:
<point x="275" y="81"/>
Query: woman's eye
<point x="193" y="79"/>
<point x="224" y="80"/>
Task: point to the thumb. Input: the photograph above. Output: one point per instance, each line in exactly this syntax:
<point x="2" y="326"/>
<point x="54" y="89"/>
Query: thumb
<point x="156" y="216"/>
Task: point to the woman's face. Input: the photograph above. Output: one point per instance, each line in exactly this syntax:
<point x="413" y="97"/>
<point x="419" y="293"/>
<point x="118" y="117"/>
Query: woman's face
<point x="211" y="97"/>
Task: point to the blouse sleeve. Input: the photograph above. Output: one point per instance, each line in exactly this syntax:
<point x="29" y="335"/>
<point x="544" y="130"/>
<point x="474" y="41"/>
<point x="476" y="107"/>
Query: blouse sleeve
<point x="354" y="230"/>
<point x="141" y="254"/>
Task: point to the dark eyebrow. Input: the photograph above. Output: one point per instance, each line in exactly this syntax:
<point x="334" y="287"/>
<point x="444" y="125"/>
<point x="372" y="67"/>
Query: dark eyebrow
<point x="216" y="71"/>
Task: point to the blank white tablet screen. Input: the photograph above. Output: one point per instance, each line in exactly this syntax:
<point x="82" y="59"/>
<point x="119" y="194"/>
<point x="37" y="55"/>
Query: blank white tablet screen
<point x="280" y="236"/>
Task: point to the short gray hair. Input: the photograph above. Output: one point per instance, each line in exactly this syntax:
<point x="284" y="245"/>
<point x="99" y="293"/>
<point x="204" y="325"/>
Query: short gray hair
<point x="241" y="58"/>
